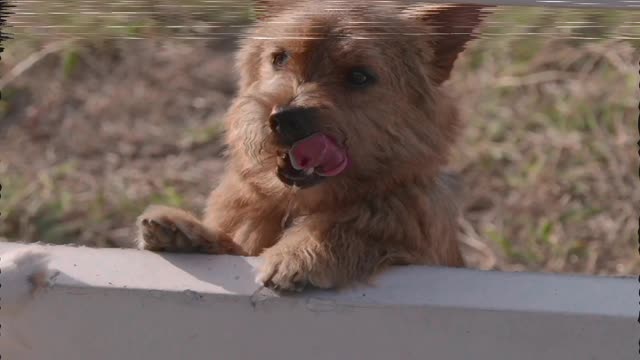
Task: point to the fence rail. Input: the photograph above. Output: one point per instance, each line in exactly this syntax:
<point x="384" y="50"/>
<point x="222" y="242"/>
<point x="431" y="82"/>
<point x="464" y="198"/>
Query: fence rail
<point x="126" y="304"/>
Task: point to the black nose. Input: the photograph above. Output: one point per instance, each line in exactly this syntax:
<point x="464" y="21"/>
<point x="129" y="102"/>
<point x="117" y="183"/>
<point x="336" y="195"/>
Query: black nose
<point x="293" y="123"/>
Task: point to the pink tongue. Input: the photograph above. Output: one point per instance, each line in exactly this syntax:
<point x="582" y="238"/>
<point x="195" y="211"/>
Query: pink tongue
<point x="318" y="151"/>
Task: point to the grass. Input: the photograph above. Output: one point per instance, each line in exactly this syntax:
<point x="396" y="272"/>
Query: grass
<point x="39" y="212"/>
<point x="548" y="156"/>
<point x="560" y="151"/>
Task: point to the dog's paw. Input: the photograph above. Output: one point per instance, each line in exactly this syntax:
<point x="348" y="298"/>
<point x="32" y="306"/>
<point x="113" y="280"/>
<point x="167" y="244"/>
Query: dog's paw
<point x="288" y="271"/>
<point x="162" y="228"/>
<point x="283" y="273"/>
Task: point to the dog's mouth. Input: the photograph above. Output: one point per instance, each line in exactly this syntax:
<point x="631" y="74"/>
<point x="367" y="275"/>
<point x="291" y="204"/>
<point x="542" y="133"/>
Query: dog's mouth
<point x="311" y="160"/>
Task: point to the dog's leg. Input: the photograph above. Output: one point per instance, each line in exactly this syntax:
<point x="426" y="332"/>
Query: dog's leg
<point x="252" y="220"/>
<point x="334" y="249"/>
<point x="162" y="228"/>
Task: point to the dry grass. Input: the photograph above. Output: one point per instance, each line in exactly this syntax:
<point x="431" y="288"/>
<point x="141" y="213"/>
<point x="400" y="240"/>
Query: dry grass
<point x="95" y="130"/>
<point x="551" y="163"/>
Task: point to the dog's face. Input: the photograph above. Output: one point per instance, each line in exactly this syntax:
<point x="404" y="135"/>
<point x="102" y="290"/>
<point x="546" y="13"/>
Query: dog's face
<point x="331" y="95"/>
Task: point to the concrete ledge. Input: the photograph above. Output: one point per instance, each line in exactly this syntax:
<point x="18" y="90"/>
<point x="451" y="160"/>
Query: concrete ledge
<point x="128" y="304"/>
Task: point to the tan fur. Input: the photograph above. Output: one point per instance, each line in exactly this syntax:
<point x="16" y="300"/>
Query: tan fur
<point x="392" y="206"/>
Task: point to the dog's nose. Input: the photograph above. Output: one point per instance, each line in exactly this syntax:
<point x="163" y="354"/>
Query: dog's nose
<point x="292" y="123"/>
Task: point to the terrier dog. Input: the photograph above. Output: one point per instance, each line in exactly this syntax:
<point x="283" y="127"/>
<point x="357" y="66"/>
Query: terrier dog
<point x="337" y="141"/>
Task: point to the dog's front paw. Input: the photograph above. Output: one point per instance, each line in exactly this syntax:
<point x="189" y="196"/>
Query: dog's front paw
<point x="162" y="228"/>
<point x="292" y="271"/>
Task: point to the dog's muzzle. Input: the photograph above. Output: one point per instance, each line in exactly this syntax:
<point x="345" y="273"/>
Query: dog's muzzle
<point x="310" y="156"/>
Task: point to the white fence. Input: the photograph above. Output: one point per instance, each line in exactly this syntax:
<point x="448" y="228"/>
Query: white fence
<point x="99" y="304"/>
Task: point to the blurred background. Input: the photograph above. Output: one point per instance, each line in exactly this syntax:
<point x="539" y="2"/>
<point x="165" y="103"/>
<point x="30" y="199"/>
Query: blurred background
<point x="108" y="107"/>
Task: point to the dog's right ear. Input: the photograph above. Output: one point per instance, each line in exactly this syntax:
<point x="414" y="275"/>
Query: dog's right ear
<point x="264" y="9"/>
<point x="452" y="27"/>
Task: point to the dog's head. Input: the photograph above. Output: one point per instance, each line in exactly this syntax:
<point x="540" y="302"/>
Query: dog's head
<point x="349" y="92"/>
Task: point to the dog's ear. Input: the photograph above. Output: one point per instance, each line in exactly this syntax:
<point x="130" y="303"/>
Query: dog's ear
<point x="264" y="9"/>
<point x="450" y="26"/>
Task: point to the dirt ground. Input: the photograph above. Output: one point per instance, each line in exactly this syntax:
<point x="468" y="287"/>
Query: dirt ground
<point x="95" y="130"/>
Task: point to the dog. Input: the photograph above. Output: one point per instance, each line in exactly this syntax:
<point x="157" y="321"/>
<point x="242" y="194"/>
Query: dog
<point x="337" y="141"/>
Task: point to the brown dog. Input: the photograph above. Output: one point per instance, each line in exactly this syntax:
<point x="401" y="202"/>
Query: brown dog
<point x="337" y="141"/>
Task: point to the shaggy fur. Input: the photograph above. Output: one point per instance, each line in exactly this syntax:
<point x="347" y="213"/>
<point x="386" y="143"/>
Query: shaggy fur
<point x="392" y="205"/>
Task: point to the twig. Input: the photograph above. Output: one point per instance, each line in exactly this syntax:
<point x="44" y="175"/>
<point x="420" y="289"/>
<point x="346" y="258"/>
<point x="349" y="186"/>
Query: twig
<point x="472" y="239"/>
<point x="533" y="79"/>
<point x="613" y="57"/>
<point x="31" y="60"/>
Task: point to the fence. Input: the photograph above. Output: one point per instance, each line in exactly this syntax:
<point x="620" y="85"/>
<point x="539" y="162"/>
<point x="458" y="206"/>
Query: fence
<point x="127" y="304"/>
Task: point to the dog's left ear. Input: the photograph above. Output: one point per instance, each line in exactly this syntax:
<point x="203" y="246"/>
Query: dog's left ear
<point x="451" y="27"/>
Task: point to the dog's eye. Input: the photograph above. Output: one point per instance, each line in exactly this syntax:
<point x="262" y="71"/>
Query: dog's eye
<point x="280" y="59"/>
<point x="359" y="77"/>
